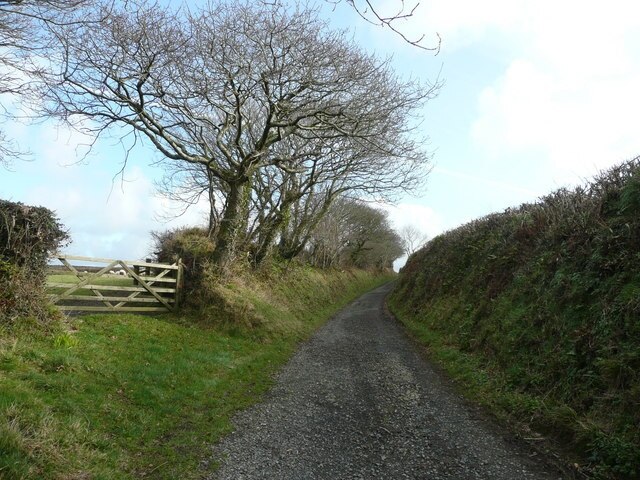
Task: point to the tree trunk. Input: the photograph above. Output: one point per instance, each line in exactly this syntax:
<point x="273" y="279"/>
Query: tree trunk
<point x="265" y="242"/>
<point x="279" y="222"/>
<point x="290" y="245"/>
<point x="294" y="240"/>
<point x="233" y="224"/>
<point x="213" y="214"/>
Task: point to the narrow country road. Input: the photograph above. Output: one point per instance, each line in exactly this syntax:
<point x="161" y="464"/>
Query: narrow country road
<point x="358" y="402"/>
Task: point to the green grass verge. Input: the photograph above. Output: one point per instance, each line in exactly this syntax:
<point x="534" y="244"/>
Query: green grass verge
<point x="531" y="414"/>
<point x="129" y="397"/>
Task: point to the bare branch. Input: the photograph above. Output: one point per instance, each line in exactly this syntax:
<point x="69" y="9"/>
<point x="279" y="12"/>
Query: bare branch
<point x="257" y="107"/>
<point x="412" y="239"/>
<point x="368" y="12"/>
<point x="24" y="42"/>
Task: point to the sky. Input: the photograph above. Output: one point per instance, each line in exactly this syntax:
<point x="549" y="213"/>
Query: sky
<point x="536" y="96"/>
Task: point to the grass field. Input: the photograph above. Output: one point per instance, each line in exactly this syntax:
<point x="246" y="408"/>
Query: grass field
<point x="130" y="397"/>
<point x="114" y="280"/>
<point x="107" y="279"/>
<point x="123" y="394"/>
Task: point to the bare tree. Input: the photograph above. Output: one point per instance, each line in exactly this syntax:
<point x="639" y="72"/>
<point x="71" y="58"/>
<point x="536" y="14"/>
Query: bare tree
<point x="327" y="240"/>
<point x="186" y="185"/>
<point x="354" y="233"/>
<point x="290" y="203"/>
<point x="24" y="41"/>
<point x="371" y="12"/>
<point x="412" y="238"/>
<point x="22" y="34"/>
<point x="368" y="10"/>
<point x="219" y="88"/>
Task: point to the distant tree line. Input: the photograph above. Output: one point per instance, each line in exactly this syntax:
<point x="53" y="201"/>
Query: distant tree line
<point x="351" y="234"/>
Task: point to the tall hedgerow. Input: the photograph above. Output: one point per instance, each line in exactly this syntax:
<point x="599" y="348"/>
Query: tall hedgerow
<point x="548" y="294"/>
<point x="28" y="236"/>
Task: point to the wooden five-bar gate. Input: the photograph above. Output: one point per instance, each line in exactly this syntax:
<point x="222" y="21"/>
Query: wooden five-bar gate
<point x="119" y="286"/>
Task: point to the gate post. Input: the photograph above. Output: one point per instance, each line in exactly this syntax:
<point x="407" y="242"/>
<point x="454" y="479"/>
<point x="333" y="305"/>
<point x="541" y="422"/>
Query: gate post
<point x="179" y="284"/>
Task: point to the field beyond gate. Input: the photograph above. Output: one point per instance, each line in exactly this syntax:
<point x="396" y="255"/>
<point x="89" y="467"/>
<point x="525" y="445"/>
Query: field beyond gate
<point x="114" y="286"/>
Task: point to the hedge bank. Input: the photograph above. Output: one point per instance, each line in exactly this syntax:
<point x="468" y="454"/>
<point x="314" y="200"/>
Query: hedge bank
<point x="544" y="301"/>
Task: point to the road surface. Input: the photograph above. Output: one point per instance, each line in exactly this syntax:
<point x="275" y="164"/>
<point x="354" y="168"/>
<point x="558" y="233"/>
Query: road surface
<point x="358" y="401"/>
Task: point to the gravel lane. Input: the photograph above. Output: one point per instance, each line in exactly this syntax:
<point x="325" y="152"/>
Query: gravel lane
<point x="359" y="402"/>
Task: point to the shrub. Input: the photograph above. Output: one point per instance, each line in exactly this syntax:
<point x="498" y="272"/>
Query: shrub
<point x="190" y="244"/>
<point x="28" y="236"/>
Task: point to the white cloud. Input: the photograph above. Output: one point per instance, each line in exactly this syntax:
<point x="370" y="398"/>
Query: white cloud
<point x="106" y="216"/>
<point x="91" y="218"/>
<point x="460" y="23"/>
<point x="570" y="88"/>
<point x="106" y="222"/>
<point x="422" y="217"/>
<point x="567" y="94"/>
<point x="585" y="30"/>
<point x="570" y="92"/>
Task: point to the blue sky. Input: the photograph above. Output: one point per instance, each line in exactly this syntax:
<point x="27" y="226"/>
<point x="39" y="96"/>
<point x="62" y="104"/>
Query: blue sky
<point x="537" y="95"/>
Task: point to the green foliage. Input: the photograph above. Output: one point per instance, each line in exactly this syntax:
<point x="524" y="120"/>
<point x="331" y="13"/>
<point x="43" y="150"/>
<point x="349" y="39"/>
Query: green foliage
<point x="23" y="297"/>
<point x="547" y="297"/>
<point x="615" y="455"/>
<point x="243" y="302"/>
<point x="28" y="236"/>
<point x="193" y="245"/>
<point x="8" y="272"/>
<point x="65" y="340"/>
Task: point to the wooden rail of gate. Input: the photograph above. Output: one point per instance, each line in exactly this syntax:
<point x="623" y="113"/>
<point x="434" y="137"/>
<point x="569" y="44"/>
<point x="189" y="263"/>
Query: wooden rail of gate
<point x="154" y="287"/>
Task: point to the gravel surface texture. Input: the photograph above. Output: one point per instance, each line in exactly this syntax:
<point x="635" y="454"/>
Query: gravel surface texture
<point x="358" y="401"/>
